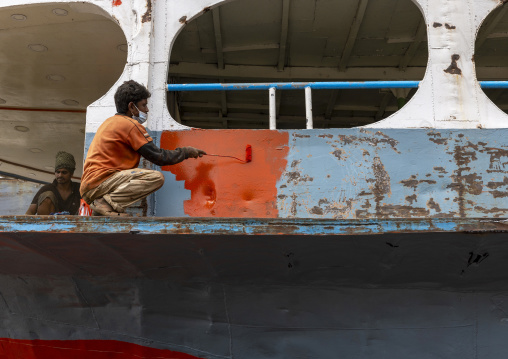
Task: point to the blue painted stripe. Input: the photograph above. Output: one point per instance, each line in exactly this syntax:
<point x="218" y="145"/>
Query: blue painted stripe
<point x="293" y="86"/>
<point x="312" y="85"/>
<point x="494" y="84"/>
<point x="230" y="226"/>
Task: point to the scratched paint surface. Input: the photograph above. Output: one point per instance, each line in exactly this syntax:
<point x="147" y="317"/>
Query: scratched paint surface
<point x="225" y="187"/>
<point x="395" y="173"/>
<point x="345" y="173"/>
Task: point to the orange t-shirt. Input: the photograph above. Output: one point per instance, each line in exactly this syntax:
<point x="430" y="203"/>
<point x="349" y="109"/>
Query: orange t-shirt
<point x="113" y="149"/>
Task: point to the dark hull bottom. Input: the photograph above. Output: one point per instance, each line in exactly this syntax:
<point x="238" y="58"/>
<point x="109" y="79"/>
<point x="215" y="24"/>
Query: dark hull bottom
<point x="431" y="295"/>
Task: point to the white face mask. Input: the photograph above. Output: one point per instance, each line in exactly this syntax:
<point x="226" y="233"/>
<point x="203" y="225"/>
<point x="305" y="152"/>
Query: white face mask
<point x="143" y="116"/>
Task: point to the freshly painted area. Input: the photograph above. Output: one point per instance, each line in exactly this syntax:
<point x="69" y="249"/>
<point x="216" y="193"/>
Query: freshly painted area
<point x="81" y="349"/>
<point x="225" y="187"/>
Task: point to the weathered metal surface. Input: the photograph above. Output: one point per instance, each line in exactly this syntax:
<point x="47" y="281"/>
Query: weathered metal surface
<point x="235" y="226"/>
<point x="342" y="173"/>
<point x="387" y="296"/>
<point x="16" y="196"/>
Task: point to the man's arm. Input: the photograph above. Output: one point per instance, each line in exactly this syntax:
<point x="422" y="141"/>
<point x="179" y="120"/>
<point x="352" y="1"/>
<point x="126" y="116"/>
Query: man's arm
<point x="162" y="157"/>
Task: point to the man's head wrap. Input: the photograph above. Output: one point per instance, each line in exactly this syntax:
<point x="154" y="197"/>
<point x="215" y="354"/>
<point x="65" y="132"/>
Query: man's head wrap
<point x="65" y="160"/>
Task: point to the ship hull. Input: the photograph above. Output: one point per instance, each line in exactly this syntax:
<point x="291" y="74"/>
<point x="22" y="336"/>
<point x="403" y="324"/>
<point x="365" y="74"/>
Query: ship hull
<point x="416" y="294"/>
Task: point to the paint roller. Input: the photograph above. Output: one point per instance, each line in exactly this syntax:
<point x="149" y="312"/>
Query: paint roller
<point x="248" y="155"/>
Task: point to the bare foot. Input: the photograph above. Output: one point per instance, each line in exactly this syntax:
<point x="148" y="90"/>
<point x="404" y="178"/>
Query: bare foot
<point x="102" y="208"/>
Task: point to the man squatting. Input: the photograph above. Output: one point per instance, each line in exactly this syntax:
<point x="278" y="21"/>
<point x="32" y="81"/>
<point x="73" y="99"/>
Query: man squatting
<point x="111" y="179"/>
<point x="61" y="196"/>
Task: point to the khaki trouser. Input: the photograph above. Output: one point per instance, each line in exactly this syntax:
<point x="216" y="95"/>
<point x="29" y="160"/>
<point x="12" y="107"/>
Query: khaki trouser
<point x="126" y="187"/>
<point x="44" y="195"/>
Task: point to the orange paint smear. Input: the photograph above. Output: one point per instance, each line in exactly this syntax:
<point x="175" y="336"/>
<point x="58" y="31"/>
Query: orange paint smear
<point x="117" y="2"/>
<point x="225" y="187"/>
<point x="82" y="349"/>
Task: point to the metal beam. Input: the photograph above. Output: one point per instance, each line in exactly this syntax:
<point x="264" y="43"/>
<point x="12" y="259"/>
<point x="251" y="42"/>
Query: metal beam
<point x="259" y="107"/>
<point x="355" y="27"/>
<point x="242" y="48"/>
<point x="278" y="101"/>
<point x="384" y="103"/>
<point x="187" y="69"/>
<point x="490" y="27"/>
<point x="218" y="37"/>
<point x="217" y="106"/>
<point x="283" y="34"/>
<point x="220" y="55"/>
<point x="327" y="85"/>
<point x="210" y="71"/>
<point x="331" y="103"/>
<point x="264" y="119"/>
<point x="411" y="51"/>
<point x="224" y="102"/>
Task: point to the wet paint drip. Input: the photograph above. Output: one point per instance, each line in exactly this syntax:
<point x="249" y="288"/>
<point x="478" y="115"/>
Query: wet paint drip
<point x="82" y="349"/>
<point x="226" y="187"/>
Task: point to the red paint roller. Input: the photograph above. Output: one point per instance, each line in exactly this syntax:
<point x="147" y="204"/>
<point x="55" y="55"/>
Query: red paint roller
<point x="248" y="155"/>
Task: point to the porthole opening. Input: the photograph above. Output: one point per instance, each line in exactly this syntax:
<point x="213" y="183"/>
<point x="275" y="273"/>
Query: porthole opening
<point x="491" y="53"/>
<point x="272" y="41"/>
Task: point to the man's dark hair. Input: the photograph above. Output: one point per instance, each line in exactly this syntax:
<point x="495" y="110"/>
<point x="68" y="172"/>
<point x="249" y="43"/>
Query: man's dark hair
<point x="130" y="91"/>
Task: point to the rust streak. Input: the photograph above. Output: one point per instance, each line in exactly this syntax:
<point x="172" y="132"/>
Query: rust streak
<point x="496" y="185"/>
<point x="439" y="141"/>
<point x="433" y="205"/>
<point x="411" y="199"/>
<point x="316" y="210"/>
<point x="412" y="182"/>
<point x="301" y="136"/>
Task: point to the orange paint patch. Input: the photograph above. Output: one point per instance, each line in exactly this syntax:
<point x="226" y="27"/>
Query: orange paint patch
<point x="117" y="2"/>
<point x="225" y="187"/>
<point x="81" y="349"/>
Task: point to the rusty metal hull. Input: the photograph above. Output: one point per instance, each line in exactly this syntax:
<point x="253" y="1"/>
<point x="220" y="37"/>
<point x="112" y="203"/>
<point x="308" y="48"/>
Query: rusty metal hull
<point x="383" y="293"/>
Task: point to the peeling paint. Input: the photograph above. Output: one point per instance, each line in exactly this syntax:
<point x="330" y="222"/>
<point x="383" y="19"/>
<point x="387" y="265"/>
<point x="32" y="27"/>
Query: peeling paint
<point x="413" y="182"/>
<point x="147" y="16"/>
<point x="411" y="199"/>
<point x="453" y="69"/>
<point x="431" y="204"/>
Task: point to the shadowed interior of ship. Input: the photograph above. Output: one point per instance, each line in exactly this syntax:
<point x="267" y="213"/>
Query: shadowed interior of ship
<point x="297" y="40"/>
